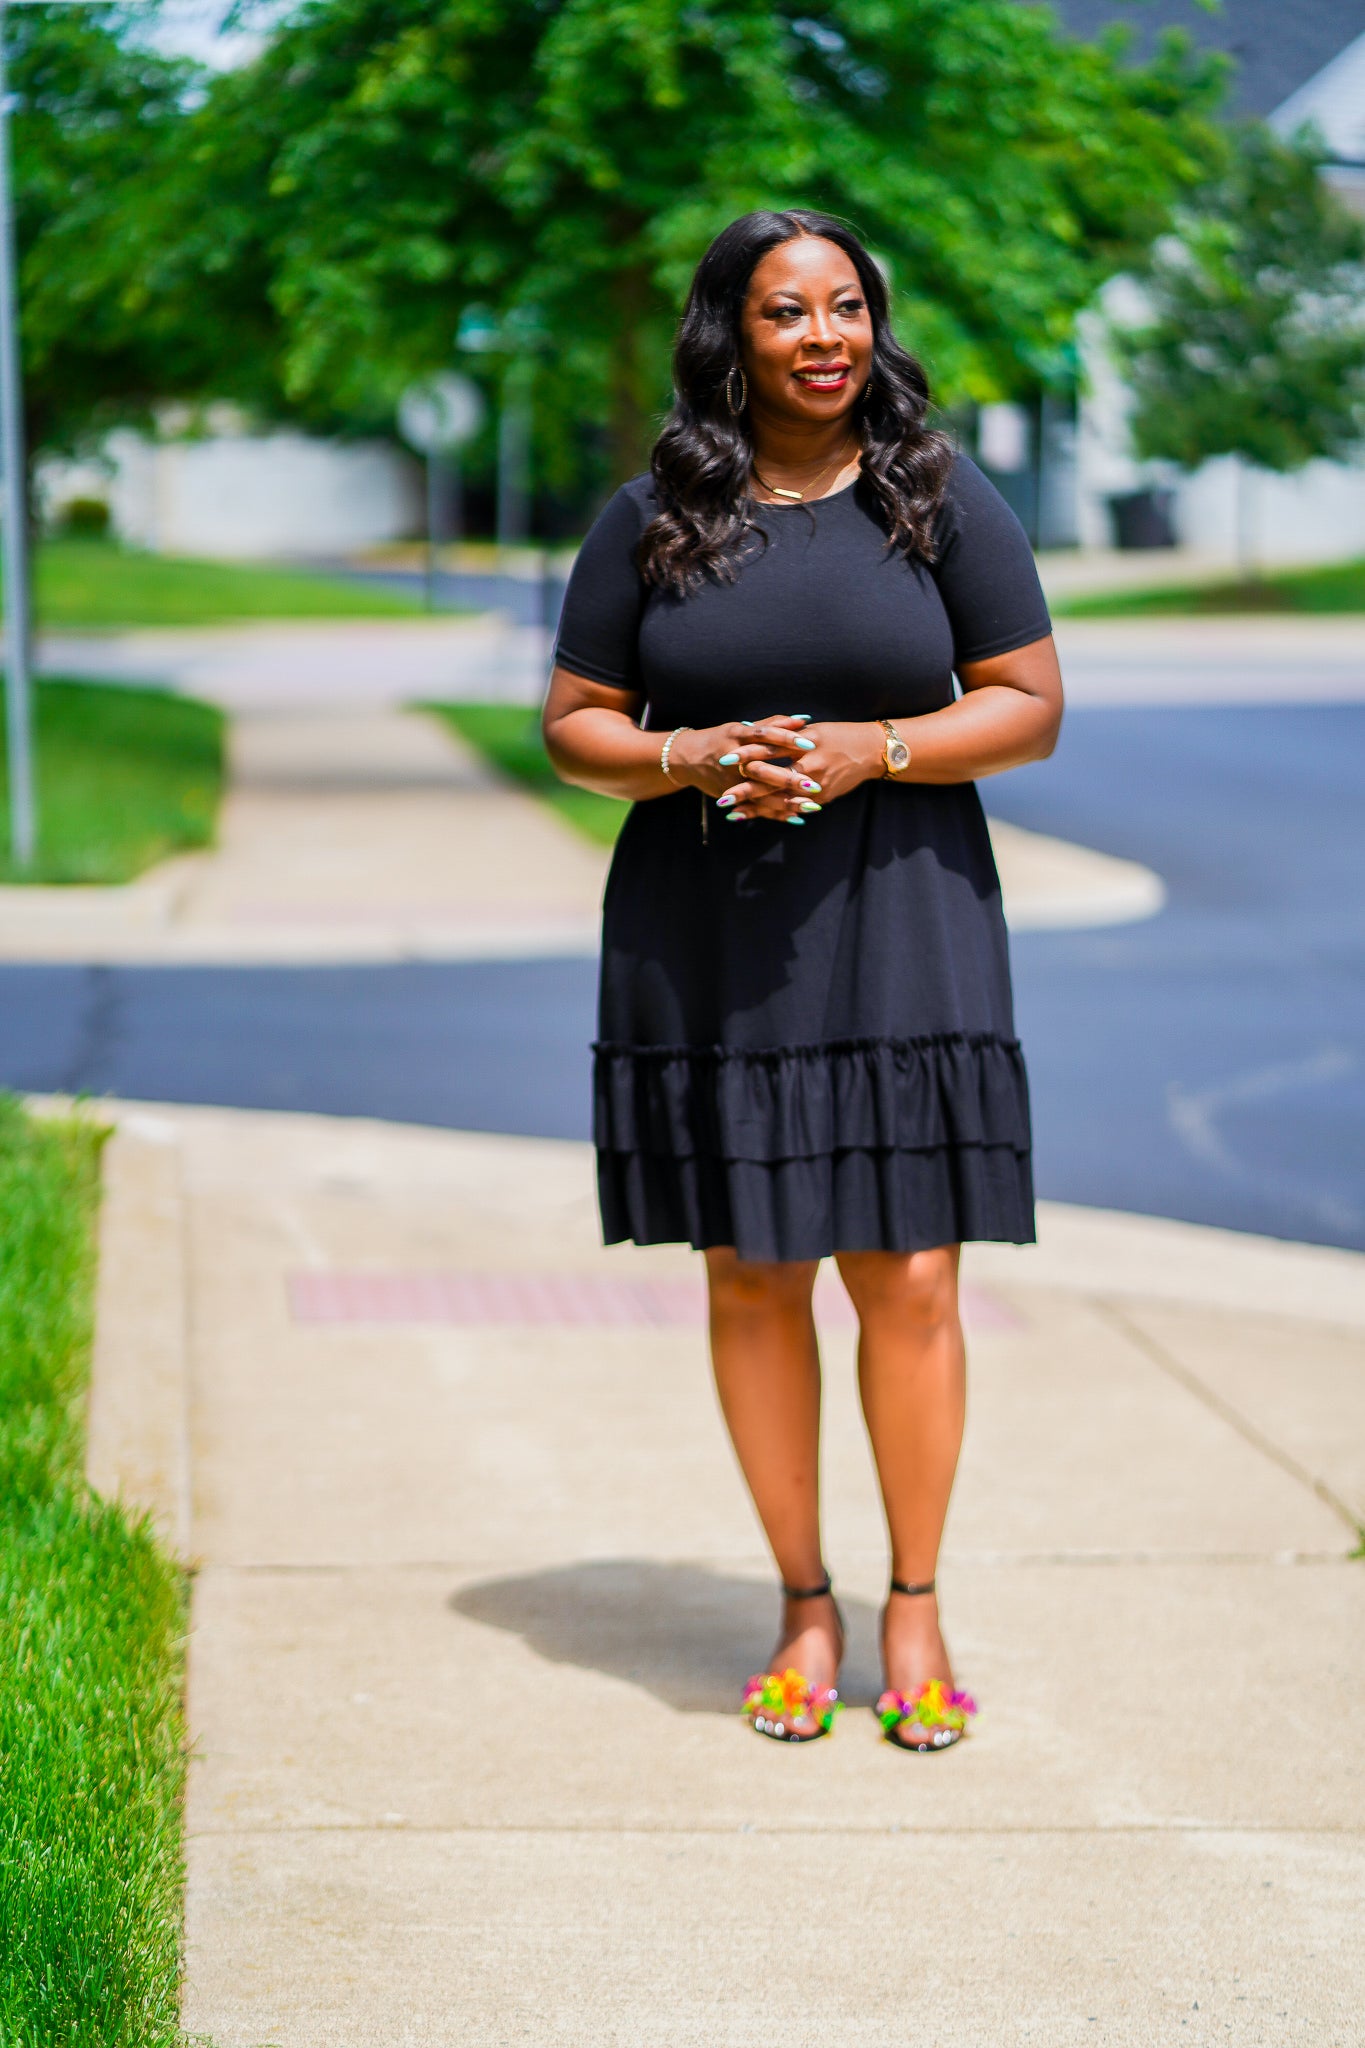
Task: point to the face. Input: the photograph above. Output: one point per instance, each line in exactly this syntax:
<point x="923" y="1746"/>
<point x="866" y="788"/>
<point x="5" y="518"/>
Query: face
<point x="806" y="333"/>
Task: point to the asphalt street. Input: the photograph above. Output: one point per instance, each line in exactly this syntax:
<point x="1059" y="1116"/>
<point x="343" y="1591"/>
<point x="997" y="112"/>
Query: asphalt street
<point x="1208" y="1064"/>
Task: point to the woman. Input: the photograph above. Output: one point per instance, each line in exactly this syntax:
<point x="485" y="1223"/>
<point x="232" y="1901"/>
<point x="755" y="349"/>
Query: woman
<point x="807" y="1048"/>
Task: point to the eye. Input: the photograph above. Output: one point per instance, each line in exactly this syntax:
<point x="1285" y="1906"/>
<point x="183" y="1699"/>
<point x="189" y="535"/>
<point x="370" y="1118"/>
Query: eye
<point x="852" y="307"/>
<point x="786" y="313"/>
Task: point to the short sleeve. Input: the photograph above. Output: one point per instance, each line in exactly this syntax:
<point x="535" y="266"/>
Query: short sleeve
<point x="599" y="627"/>
<point x="985" y="570"/>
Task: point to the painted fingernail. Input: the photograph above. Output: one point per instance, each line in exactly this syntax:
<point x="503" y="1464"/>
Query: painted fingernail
<point x="793" y="821"/>
<point x="747" y="721"/>
<point x="799" y="742"/>
<point x="723" y="802"/>
<point x="804" y="782"/>
<point x="801" y="717"/>
<point x="736" y="818"/>
<point x="727" y="761"/>
<point x="811" y="807"/>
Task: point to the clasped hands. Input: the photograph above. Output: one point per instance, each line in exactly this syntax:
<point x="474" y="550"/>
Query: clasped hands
<point x="785" y="768"/>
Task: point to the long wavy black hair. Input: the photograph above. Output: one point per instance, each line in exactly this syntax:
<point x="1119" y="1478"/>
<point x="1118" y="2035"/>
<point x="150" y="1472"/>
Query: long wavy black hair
<point x="703" y="459"/>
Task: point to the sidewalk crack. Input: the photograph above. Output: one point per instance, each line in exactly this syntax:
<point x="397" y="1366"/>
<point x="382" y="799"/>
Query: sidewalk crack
<point x="1152" y="1349"/>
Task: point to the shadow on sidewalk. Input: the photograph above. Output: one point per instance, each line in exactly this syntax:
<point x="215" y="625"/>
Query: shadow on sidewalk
<point x="687" y="1634"/>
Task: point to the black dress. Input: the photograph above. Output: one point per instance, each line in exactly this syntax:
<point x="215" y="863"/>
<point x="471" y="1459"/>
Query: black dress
<point x="806" y="1036"/>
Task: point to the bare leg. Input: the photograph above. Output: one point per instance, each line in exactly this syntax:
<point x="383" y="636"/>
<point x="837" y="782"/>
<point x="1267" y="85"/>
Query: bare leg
<point x="767" y="1368"/>
<point x="912" y="1376"/>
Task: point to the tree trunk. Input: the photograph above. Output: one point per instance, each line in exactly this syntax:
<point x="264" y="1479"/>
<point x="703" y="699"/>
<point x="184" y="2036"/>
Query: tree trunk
<point x="634" y="375"/>
<point x="1248" y="567"/>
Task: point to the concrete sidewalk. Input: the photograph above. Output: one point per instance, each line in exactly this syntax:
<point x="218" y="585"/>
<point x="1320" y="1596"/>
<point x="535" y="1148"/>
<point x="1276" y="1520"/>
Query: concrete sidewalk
<point x="477" y="1591"/>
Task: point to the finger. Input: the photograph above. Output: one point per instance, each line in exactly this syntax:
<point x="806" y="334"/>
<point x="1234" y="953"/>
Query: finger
<point x="739" y="793"/>
<point x="770" y="774"/>
<point x="788" y="738"/>
<point x="786" y="779"/>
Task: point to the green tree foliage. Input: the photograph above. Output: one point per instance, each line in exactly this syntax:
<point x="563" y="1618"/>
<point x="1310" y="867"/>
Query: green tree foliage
<point x="96" y="115"/>
<point x="1255" y="341"/>
<point x="564" y="162"/>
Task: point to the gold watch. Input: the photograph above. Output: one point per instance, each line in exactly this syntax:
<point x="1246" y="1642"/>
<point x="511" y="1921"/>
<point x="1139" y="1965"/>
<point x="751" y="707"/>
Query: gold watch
<point x="895" y="754"/>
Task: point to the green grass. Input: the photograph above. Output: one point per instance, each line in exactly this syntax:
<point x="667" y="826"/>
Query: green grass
<point x="124" y="777"/>
<point x="1337" y="587"/>
<point x="92" y="1620"/>
<point x="508" y="735"/>
<point x="96" y="585"/>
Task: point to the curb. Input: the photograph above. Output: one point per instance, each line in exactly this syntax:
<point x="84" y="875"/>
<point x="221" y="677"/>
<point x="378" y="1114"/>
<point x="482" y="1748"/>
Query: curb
<point x="137" y="1448"/>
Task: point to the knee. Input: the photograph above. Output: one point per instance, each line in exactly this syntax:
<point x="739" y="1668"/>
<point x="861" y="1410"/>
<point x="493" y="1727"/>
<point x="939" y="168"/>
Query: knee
<point x="752" y="1287"/>
<point x="918" y="1289"/>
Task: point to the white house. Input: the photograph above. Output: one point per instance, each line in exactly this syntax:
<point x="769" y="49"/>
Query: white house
<point x="231" y="491"/>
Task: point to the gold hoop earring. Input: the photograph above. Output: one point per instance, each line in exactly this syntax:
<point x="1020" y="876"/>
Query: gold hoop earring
<point x="737" y="408"/>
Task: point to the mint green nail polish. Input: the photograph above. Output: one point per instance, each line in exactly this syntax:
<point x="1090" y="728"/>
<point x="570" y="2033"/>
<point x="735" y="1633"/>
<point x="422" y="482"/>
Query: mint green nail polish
<point x="801" y="717"/>
<point x="793" y="821"/>
<point x="728" y="761"/>
<point x="803" y="743"/>
<point x="809" y="806"/>
<point x="736" y="818"/>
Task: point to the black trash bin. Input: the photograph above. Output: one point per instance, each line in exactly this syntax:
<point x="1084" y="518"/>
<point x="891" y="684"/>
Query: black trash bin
<point x="1143" y="519"/>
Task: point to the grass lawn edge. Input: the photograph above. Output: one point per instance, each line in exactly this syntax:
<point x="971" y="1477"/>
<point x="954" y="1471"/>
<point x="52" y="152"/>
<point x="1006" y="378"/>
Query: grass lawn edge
<point x="1330" y="589"/>
<point x="93" y="1616"/>
<point x="128" y="775"/>
<point x="507" y="736"/>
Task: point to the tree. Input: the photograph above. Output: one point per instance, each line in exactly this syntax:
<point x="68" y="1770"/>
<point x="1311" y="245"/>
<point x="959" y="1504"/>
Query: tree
<point x="564" y="162"/>
<point x="96" y="115"/>
<point x="1255" y="344"/>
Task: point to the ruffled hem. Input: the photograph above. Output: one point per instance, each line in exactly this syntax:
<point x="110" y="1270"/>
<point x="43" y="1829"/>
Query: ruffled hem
<point x="950" y="1089"/>
<point x="848" y="1201"/>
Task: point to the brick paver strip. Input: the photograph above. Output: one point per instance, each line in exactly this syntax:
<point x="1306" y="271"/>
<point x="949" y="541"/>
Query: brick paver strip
<point x="582" y="1300"/>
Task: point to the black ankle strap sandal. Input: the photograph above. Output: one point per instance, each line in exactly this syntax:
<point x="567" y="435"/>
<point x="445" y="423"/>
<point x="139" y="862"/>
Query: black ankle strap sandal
<point x="774" y="1699"/>
<point x="933" y="1716"/>
<point x="810" y="1592"/>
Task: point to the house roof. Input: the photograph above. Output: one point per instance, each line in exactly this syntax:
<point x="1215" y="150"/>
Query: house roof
<point x="1277" y="45"/>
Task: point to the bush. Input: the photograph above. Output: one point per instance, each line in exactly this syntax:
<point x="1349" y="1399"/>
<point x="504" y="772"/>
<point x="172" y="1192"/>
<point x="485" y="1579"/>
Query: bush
<point x="85" y="518"/>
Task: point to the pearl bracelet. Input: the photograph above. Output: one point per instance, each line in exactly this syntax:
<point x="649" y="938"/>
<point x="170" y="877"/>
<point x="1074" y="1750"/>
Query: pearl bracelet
<point x="667" y="748"/>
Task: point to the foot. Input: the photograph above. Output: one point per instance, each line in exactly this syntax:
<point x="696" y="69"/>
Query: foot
<point x="811" y="1641"/>
<point x="914" y="1654"/>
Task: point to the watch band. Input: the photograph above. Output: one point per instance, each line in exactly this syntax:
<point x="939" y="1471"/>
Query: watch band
<point x="895" y="754"/>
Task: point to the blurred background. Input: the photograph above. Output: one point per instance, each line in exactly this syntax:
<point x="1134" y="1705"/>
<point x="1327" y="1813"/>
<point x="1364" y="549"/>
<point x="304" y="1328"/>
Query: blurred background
<point x="338" y="323"/>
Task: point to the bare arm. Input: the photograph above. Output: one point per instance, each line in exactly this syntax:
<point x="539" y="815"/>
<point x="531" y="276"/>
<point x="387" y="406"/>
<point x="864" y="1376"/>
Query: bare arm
<point x="593" y="738"/>
<point x="1009" y="713"/>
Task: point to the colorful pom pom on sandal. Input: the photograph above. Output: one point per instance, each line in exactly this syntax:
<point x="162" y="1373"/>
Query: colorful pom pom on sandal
<point x="773" y="1700"/>
<point x="932" y="1717"/>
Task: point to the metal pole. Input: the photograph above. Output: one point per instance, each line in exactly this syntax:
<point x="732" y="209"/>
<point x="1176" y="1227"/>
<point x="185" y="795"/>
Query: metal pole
<point x="514" y="437"/>
<point x="431" y="530"/>
<point x="18" y="709"/>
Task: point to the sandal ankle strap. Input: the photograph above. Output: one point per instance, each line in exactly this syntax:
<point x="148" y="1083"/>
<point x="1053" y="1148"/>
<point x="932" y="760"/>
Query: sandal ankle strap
<point x="810" y="1592"/>
<point x="900" y="1586"/>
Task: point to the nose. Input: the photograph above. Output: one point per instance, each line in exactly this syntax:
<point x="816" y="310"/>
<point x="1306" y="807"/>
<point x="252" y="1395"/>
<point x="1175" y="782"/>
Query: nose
<point x="821" y="333"/>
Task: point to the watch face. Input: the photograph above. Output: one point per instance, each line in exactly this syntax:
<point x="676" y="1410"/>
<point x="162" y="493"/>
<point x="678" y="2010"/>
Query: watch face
<point x="898" y="754"/>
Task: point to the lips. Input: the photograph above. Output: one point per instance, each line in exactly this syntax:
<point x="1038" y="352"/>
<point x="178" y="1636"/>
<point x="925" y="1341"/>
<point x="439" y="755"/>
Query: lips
<point x="829" y="377"/>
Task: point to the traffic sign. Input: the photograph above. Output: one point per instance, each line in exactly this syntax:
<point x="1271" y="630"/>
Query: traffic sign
<point x="440" y="415"/>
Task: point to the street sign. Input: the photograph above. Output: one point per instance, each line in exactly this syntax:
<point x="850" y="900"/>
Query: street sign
<point x="440" y="415"/>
